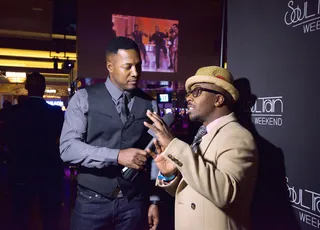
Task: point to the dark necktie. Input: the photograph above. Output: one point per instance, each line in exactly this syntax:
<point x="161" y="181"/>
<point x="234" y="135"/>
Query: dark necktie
<point x="197" y="138"/>
<point x="124" y="110"/>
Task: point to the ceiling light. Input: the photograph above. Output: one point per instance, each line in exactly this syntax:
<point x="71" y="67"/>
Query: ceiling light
<point x="16" y="77"/>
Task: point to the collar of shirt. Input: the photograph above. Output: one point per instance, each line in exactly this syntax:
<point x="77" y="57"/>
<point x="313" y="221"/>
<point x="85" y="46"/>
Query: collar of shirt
<point x="211" y="125"/>
<point x="114" y="91"/>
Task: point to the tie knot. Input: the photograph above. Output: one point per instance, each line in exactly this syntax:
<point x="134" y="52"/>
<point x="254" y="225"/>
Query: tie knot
<point x="201" y="131"/>
<point x="126" y="95"/>
<point x="198" y="137"/>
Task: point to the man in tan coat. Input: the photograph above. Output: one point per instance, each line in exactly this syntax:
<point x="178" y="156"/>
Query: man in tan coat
<point x="213" y="179"/>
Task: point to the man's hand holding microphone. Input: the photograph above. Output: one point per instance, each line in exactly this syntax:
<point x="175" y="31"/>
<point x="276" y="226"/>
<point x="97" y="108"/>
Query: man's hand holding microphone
<point x="132" y="158"/>
<point x="136" y="158"/>
<point x="163" y="137"/>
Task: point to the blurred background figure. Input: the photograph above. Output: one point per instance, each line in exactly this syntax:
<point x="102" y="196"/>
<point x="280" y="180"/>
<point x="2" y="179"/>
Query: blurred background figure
<point x="35" y="170"/>
<point x="137" y="37"/>
<point x="158" y="39"/>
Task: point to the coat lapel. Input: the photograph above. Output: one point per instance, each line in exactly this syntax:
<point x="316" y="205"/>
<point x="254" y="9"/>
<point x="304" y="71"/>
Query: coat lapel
<point x="206" y="140"/>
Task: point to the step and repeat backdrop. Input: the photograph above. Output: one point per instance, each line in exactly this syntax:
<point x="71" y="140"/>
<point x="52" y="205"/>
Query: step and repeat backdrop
<point x="274" y="54"/>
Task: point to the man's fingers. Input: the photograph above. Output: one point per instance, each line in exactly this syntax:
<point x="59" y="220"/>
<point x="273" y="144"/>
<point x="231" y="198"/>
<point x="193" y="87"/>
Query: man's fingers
<point x="155" y="223"/>
<point x="150" y="220"/>
<point x="152" y="127"/>
<point x="158" y="147"/>
<point x="156" y="117"/>
<point x="157" y="121"/>
<point x="135" y="166"/>
<point x="137" y="162"/>
<point x="152" y="154"/>
<point x="140" y="164"/>
<point x="142" y="158"/>
<point x="162" y="149"/>
<point x="142" y="152"/>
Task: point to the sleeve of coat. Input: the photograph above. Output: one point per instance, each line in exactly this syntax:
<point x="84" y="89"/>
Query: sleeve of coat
<point x="171" y="186"/>
<point x="220" y="183"/>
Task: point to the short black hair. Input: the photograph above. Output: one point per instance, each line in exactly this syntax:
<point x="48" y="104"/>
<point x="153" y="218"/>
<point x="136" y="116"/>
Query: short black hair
<point x="36" y="81"/>
<point x="35" y="77"/>
<point x="121" y="43"/>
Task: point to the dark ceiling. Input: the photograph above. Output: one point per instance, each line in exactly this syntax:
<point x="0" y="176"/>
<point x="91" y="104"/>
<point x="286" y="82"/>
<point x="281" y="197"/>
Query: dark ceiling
<point x="64" y="17"/>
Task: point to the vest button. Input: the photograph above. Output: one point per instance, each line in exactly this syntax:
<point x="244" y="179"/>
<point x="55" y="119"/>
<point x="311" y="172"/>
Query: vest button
<point x="193" y="206"/>
<point x="123" y="142"/>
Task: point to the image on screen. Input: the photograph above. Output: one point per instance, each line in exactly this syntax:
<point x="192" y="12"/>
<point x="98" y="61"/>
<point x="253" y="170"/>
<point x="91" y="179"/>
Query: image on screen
<point x="157" y="40"/>
<point x="164" y="97"/>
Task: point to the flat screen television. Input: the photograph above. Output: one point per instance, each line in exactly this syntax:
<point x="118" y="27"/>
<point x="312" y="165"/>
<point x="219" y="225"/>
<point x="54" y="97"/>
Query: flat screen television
<point x="156" y="38"/>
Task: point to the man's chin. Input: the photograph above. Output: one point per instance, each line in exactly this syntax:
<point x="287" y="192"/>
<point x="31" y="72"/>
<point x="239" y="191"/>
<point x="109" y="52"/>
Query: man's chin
<point x="194" y="118"/>
<point x="131" y="87"/>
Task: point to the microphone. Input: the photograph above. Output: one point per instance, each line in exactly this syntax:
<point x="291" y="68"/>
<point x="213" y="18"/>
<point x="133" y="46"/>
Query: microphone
<point x="130" y="173"/>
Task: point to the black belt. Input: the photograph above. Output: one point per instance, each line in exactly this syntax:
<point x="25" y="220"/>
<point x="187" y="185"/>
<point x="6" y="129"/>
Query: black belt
<point x="116" y="193"/>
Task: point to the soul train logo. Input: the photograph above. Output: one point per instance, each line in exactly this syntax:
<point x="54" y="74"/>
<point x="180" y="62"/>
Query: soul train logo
<point x="268" y="111"/>
<point x="306" y="15"/>
<point x="306" y="203"/>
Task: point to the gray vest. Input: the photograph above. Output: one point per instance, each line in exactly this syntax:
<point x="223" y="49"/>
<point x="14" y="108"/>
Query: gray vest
<point x="105" y="129"/>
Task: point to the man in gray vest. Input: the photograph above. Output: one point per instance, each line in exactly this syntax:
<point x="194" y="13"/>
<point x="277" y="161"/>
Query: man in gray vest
<point x="103" y="132"/>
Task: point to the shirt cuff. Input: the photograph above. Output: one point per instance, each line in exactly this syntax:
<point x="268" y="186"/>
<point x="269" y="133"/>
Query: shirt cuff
<point x="154" y="198"/>
<point x="112" y="156"/>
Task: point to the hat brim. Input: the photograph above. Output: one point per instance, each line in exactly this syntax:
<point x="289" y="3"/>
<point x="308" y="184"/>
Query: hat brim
<point x="209" y="79"/>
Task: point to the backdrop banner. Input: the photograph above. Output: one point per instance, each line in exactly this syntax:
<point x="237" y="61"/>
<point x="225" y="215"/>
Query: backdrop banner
<point x="274" y="54"/>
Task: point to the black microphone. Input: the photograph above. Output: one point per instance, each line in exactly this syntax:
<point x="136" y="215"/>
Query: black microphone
<point x="130" y="173"/>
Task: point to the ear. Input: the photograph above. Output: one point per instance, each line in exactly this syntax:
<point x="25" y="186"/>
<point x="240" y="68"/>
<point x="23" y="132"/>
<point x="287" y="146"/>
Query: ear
<point x="109" y="66"/>
<point x="219" y="100"/>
